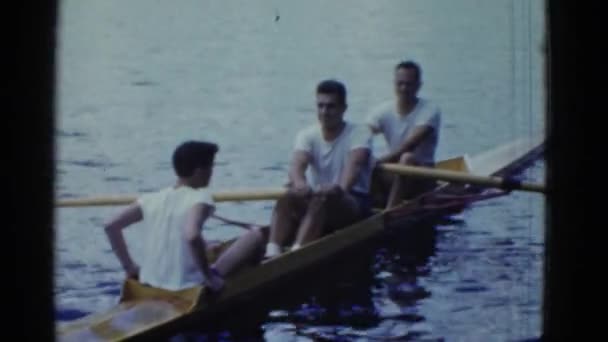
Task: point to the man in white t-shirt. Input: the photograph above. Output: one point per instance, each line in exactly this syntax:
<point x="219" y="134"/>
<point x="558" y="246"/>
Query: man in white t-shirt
<point x="410" y="126"/>
<point x="337" y="154"/>
<point x="175" y="252"/>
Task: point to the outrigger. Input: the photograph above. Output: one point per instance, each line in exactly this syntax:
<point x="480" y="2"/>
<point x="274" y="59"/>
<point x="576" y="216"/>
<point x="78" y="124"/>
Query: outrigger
<point x="144" y="311"/>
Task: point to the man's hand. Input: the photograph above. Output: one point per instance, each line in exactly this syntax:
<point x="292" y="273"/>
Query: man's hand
<point x="389" y="158"/>
<point x="300" y="190"/>
<point x="132" y="272"/>
<point x="377" y="163"/>
<point x="214" y="282"/>
<point x="330" y="190"/>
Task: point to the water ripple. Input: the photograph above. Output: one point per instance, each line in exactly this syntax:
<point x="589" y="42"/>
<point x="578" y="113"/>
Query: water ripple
<point x="69" y="314"/>
<point x="90" y="163"/>
<point x="73" y="265"/>
<point x="273" y="168"/>
<point x="503" y="242"/>
<point x="472" y="288"/>
<point x="117" y="179"/>
<point x="143" y="83"/>
<point x="73" y="134"/>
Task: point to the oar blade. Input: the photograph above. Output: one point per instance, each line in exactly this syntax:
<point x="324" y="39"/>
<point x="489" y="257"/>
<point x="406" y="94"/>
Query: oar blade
<point x="459" y="177"/>
<point x="460" y="163"/>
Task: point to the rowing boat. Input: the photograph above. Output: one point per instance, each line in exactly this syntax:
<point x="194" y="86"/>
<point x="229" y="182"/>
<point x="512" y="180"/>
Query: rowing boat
<point x="144" y="311"/>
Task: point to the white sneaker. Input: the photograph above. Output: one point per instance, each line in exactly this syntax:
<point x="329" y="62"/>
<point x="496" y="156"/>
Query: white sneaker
<point x="272" y="250"/>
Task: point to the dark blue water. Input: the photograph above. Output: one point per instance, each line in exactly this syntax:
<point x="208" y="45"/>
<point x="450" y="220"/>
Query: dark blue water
<point x="138" y="77"/>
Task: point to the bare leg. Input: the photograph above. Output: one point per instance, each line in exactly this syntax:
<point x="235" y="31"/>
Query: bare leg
<point x="313" y="222"/>
<point x="382" y="183"/>
<point x="398" y="189"/>
<point x="282" y="227"/>
<point x="247" y="249"/>
<point x="327" y="213"/>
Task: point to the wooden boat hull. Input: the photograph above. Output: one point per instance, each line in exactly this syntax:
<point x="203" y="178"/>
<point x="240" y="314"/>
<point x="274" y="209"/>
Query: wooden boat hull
<point x="145" y="311"/>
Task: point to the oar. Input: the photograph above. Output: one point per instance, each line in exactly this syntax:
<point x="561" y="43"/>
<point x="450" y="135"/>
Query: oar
<point x="461" y="177"/>
<point x="226" y="196"/>
<point x="241" y="224"/>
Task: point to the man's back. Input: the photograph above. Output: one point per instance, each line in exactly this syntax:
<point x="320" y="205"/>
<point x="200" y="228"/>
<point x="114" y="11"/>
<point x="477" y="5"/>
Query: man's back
<point x="167" y="261"/>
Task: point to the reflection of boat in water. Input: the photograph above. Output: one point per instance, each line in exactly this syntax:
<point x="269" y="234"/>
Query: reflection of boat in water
<point x="144" y="311"/>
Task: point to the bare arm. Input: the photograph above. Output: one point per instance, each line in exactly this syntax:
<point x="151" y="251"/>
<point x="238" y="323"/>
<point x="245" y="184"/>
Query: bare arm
<point x="297" y="169"/>
<point x="192" y="232"/>
<point x="357" y="159"/>
<point x="113" y="231"/>
<point x="408" y="145"/>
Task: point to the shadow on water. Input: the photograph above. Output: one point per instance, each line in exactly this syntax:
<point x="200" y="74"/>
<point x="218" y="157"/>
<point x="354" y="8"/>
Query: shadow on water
<point x="342" y="298"/>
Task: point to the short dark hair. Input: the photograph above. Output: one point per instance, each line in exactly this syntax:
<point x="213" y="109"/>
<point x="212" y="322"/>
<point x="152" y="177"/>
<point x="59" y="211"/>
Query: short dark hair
<point x="332" y="87"/>
<point x="191" y="154"/>
<point x="410" y="65"/>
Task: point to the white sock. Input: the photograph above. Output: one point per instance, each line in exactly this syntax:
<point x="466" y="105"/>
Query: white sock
<point x="295" y="246"/>
<point x="272" y="249"/>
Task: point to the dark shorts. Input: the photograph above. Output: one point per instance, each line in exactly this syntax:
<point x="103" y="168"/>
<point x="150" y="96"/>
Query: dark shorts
<point x="364" y="201"/>
<point x="364" y="205"/>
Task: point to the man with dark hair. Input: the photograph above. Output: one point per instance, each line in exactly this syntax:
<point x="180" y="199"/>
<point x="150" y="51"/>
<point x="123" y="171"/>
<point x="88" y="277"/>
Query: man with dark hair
<point x="338" y="154"/>
<point x="174" y="249"/>
<point x="410" y="126"/>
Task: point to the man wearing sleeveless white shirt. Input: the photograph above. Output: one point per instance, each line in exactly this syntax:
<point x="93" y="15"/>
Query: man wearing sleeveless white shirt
<point x="410" y="126"/>
<point x="175" y="253"/>
<point x="338" y="154"/>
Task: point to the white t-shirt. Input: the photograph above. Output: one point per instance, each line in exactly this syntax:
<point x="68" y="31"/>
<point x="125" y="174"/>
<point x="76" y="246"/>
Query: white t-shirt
<point x="167" y="261"/>
<point x="329" y="159"/>
<point x="397" y="128"/>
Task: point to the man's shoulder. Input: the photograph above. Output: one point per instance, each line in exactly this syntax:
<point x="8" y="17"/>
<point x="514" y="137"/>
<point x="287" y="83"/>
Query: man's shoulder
<point x="358" y="131"/>
<point x="383" y="108"/>
<point x="205" y="195"/>
<point x="430" y="105"/>
<point x="153" y="198"/>
<point x="357" y="127"/>
<point x="309" y="131"/>
<point x="157" y="193"/>
<point x="193" y="196"/>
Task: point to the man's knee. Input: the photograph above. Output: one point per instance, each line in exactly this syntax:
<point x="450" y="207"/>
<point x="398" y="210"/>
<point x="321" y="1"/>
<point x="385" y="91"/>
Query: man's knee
<point x="294" y="199"/>
<point x="317" y="203"/>
<point x="285" y="203"/>
<point x="256" y="235"/>
<point x="344" y="212"/>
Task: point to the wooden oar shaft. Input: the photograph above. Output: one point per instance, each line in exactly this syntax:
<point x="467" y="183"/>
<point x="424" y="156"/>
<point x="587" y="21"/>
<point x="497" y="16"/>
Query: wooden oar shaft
<point x="249" y="195"/>
<point x="225" y="196"/>
<point x="460" y="177"/>
<point x="96" y="201"/>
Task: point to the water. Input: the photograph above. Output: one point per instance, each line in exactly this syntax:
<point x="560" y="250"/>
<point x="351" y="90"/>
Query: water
<point x="136" y="78"/>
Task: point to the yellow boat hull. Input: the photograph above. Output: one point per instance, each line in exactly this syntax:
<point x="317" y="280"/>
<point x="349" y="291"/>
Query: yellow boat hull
<point x="145" y="311"/>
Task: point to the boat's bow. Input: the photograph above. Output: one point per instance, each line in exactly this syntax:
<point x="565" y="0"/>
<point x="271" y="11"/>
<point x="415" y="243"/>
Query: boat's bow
<point x="141" y="308"/>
